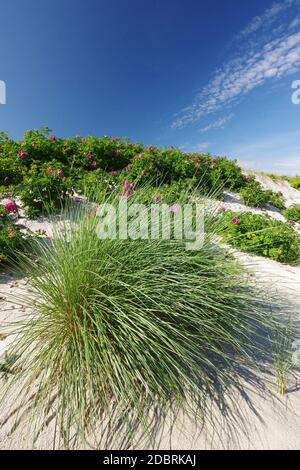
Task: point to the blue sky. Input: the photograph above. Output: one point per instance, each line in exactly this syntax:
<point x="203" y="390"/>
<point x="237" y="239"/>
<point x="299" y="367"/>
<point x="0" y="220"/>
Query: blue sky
<point x="203" y="75"/>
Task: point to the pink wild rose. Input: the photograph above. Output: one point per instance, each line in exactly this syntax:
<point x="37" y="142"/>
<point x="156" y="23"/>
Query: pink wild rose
<point x="126" y="185"/>
<point x="23" y="154"/>
<point x="11" y="206"/>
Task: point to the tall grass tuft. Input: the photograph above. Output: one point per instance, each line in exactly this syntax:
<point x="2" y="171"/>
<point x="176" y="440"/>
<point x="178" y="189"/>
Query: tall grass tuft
<point x="126" y="334"/>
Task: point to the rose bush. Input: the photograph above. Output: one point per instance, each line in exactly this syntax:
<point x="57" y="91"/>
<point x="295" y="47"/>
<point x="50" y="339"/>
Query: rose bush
<point x="261" y="235"/>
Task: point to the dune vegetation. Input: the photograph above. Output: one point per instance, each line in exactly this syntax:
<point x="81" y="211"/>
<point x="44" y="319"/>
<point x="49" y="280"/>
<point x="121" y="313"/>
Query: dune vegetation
<point x="125" y="334"/>
<point x="41" y="171"/>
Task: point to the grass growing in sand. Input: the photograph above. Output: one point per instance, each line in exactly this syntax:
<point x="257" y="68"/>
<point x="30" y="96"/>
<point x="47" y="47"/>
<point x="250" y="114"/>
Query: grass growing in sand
<point x="125" y="333"/>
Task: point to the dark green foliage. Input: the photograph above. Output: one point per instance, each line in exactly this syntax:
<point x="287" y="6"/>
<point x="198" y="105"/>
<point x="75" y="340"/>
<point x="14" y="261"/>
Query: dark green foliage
<point x="262" y="236"/>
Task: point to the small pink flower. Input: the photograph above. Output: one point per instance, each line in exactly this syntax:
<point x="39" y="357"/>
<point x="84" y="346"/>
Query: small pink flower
<point x="235" y="220"/>
<point x="126" y="185"/>
<point x="128" y="168"/>
<point x="139" y="157"/>
<point x="174" y="208"/>
<point x="114" y="173"/>
<point x="23" y="154"/>
<point x="292" y="222"/>
<point x="94" y="163"/>
<point x="133" y="187"/>
<point x="89" y="155"/>
<point x="59" y="173"/>
<point x="157" y="198"/>
<point x="49" y="172"/>
<point x="53" y="138"/>
<point x="11" y="206"/>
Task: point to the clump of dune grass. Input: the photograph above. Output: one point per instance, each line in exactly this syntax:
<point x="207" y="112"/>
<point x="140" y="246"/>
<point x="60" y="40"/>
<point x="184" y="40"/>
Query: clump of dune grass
<point x="125" y="334"/>
<point x="285" y="354"/>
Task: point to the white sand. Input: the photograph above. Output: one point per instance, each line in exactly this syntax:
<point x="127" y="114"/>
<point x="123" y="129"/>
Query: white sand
<point x="273" y="422"/>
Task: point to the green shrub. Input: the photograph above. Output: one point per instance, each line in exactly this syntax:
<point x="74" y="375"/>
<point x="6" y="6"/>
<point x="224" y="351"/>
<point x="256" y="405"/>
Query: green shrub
<point x="145" y="164"/>
<point x="254" y="195"/>
<point x="165" y="166"/>
<point x="11" y="168"/>
<point x="292" y="213"/>
<point x="227" y="174"/>
<point x="127" y="331"/>
<point x="11" y="240"/>
<point x="295" y="182"/>
<point x="274" y="198"/>
<point x="262" y="236"/>
<point x="44" y="188"/>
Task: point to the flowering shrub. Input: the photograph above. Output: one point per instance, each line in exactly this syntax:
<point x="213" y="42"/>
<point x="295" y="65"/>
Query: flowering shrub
<point x="261" y="235"/>
<point x="161" y="166"/>
<point x="104" y="153"/>
<point x="40" y="154"/>
<point x="44" y="188"/>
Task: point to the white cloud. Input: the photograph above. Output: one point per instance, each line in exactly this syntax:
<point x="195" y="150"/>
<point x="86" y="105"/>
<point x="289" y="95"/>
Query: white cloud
<point x="295" y="22"/>
<point x="194" y="148"/>
<point x="254" y="66"/>
<point x="218" y="123"/>
<point x="268" y="17"/>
